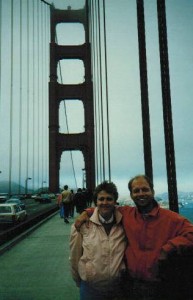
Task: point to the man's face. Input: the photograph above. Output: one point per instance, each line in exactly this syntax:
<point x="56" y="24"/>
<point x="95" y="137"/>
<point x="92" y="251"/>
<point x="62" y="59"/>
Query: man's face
<point x="105" y="203"/>
<point x="141" y="192"/>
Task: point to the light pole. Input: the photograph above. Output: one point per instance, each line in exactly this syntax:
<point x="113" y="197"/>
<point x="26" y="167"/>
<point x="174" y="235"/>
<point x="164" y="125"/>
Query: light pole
<point x="26" y="184"/>
<point x="43" y="185"/>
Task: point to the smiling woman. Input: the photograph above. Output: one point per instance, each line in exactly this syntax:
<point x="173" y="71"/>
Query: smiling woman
<point x="101" y="246"/>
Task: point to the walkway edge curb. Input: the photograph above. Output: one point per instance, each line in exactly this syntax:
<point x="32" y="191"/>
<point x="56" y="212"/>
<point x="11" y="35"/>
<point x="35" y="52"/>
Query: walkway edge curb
<point x="7" y="246"/>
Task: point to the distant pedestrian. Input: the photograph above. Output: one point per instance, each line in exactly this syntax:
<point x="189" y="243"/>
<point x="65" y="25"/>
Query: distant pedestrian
<point x="59" y="202"/>
<point x="89" y="197"/>
<point x="72" y="204"/>
<point x="66" y="200"/>
<point x="80" y="201"/>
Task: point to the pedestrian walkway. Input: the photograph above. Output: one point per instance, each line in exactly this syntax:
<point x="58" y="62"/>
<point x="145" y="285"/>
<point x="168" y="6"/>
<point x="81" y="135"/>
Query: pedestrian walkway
<point x="37" y="268"/>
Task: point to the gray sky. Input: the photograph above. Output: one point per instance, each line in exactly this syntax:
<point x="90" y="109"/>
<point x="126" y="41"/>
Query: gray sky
<point x="124" y="92"/>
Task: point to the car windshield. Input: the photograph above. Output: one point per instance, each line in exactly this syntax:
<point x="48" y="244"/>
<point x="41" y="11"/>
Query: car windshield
<point x="13" y="201"/>
<point x="5" y="209"/>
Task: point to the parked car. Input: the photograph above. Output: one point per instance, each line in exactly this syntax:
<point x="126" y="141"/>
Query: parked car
<point x="16" y="201"/>
<point x="37" y="197"/>
<point x="42" y="198"/>
<point x="45" y="198"/>
<point x="19" y="196"/>
<point x="3" y="197"/>
<point x="11" y="213"/>
<point x="52" y="196"/>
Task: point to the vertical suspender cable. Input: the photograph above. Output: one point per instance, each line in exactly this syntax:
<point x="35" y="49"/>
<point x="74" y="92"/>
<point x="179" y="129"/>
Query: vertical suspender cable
<point x="47" y="72"/>
<point x="167" y="109"/>
<point x="73" y="169"/>
<point x="91" y="14"/>
<point x="94" y="88"/>
<point x="144" y="90"/>
<point x="101" y="92"/>
<point x="27" y="100"/>
<point x="38" y="98"/>
<point x="98" y="94"/>
<point x="42" y="97"/>
<point x="11" y="104"/>
<point x="0" y="47"/>
<point x="20" y="97"/>
<point x="0" y="52"/>
<point x="33" y="96"/>
<point x="107" y="100"/>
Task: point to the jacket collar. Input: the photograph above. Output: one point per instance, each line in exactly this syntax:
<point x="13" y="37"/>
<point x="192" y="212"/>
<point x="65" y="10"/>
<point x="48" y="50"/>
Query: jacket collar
<point x="153" y="213"/>
<point x="95" y="217"/>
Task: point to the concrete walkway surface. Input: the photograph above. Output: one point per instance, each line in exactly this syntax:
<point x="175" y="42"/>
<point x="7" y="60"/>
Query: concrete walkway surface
<point x="37" y="268"/>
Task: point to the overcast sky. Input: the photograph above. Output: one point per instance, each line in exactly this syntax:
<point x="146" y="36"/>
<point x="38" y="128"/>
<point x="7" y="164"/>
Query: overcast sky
<point x="124" y="92"/>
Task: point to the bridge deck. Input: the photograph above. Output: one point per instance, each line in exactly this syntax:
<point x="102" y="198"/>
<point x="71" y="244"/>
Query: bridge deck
<point x="37" y="268"/>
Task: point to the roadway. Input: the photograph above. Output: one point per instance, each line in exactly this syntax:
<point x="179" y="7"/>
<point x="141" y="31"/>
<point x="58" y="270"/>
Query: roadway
<point x="32" y="207"/>
<point x="37" y="267"/>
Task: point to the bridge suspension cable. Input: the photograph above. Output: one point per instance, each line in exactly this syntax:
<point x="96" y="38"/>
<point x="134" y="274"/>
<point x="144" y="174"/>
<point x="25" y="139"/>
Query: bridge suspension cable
<point x="11" y="105"/>
<point x="24" y="98"/>
<point x="28" y="95"/>
<point x="102" y="133"/>
<point x="0" y="43"/>
<point x="94" y="43"/>
<point x="20" y="97"/>
<point x="107" y="97"/>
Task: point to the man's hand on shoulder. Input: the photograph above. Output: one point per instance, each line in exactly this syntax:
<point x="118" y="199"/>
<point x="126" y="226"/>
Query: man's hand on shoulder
<point x="83" y="218"/>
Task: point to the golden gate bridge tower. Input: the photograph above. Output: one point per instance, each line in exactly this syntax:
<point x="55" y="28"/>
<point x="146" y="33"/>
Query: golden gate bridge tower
<point x="59" y="142"/>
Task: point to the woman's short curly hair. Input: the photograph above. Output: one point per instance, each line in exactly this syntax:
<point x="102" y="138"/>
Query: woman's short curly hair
<point x="108" y="187"/>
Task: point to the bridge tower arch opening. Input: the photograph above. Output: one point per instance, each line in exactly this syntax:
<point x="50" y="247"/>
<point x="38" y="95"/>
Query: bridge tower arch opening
<point x="68" y="112"/>
<point x="72" y="173"/>
<point x="60" y="142"/>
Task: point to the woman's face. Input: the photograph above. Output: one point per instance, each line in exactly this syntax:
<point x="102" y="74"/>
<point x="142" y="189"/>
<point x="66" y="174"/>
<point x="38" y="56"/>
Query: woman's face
<point x="106" y="204"/>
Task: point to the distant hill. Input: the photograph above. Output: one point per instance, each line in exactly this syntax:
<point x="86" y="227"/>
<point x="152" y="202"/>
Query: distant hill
<point x="4" y="187"/>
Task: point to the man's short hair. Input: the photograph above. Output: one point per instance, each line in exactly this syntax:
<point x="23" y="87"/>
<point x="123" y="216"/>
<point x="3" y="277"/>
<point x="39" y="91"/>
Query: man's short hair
<point x="149" y="181"/>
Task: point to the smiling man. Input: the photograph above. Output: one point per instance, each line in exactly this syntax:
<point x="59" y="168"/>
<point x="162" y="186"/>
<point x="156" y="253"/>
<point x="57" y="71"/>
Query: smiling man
<point x="153" y="233"/>
<point x="96" y="252"/>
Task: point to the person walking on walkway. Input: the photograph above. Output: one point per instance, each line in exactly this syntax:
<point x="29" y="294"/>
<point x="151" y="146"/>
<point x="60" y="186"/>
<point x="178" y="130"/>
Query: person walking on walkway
<point x="72" y="205"/>
<point x="96" y="253"/>
<point x="59" y="202"/>
<point x="66" y="200"/>
<point x="80" y="201"/>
